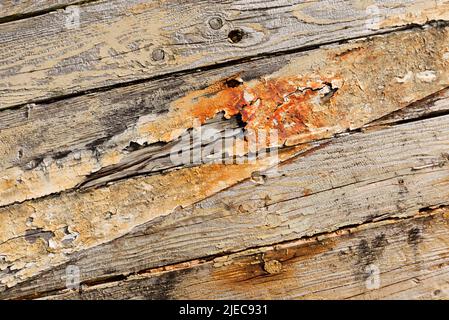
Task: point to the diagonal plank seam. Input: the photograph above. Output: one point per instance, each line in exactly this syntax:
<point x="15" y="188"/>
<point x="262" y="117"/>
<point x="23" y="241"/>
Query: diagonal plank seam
<point x="319" y="144"/>
<point x="347" y="229"/>
<point x="232" y="62"/>
<point x="28" y="15"/>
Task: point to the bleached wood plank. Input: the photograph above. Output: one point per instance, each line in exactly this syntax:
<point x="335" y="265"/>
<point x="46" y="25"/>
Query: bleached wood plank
<point x="11" y="10"/>
<point x="49" y="148"/>
<point x="361" y="177"/>
<point x="405" y="259"/>
<point x="111" y="42"/>
<point x="434" y="105"/>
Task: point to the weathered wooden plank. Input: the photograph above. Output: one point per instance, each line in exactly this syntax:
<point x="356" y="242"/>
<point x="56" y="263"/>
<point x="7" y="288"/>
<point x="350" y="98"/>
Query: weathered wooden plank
<point x="87" y="179"/>
<point x="11" y="10"/>
<point x="357" y="178"/>
<point x="108" y="43"/>
<point x="54" y="147"/>
<point x="437" y="104"/>
<point x="405" y="259"/>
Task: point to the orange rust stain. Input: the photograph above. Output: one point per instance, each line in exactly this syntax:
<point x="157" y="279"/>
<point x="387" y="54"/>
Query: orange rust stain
<point x="352" y="53"/>
<point x="247" y="275"/>
<point x="307" y="192"/>
<point x="282" y="104"/>
<point x="141" y="7"/>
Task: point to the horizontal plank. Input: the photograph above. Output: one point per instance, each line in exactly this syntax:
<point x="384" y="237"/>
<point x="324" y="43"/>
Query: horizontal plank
<point x="49" y="148"/>
<point x="11" y="10"/>
<point x="108" y="43"/>
<point x="365" y="176"/>
<point x="405" y="259"/>
<point x="434" y="105"/>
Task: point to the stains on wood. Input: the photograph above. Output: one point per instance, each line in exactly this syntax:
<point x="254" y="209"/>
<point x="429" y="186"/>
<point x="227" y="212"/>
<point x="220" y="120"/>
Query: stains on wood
<point x="97" y="95"/>
<point x="304" y="100"/>
<point x="174" y="37"/>
<point x="11" y="10"/>
<point x="326" y="273"/>
<point x="414" y="236"/>
<point x="433" y="105"/>
<point x="179" y="223"/>
<point x="100" y="215"/>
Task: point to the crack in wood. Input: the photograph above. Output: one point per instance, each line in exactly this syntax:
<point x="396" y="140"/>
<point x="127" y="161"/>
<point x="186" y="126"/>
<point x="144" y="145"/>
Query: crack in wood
<point x="221" y="259"/>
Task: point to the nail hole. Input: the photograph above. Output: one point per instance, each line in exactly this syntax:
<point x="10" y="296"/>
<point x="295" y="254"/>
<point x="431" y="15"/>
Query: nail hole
<point x="158" y="55"/>
<point x="233" y="83"/>
<point x="236" y="35"/>
<point x="216" y="23"/>
<point x="258" y="178"/>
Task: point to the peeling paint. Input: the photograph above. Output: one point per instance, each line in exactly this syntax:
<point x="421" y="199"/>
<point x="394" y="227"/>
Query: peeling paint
<point x="315" y="95"/>
<point x="427" y="76"/>
<point x="306" y="99"/>
<point x="78" y="221"/>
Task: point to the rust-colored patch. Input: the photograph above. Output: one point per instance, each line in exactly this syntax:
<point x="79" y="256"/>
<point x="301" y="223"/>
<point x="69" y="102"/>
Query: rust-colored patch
<point x="142" y="7"/>
<point x="307" y="192"/>
<point x="285" y="105"/>
<point x="250" y="272"/>
<point x="351" y="53"/>
<point x="300" y="101"/>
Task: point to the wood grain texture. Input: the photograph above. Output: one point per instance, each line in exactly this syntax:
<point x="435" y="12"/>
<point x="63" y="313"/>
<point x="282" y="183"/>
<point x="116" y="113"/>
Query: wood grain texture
<point x="112" y="42"/>
<point x="434" y="105"/>
<point x="361" y="177"/>
<point x="96" y="97"/>
<point x="49" y="148"/>
<point x="11" y="10"/>
<point x="393" y="259"/>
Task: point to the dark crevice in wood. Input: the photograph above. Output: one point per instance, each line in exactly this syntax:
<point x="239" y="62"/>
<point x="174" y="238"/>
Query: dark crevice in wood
<point x="116" y="168"/>
<point x="430" y="209"/>
<point x="233" y="83"/>
<point x="320" y="143"/>
<point x="426" y="101"/>
<point x="37" y="13"/>
<point x="231" y="62"/>
<point x="429" y="115"/>
<point x="187" y="264"/>
<point x="103" y="280"/>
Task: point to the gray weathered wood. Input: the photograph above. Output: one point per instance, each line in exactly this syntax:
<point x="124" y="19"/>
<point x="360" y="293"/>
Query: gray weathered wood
<point x="406" y="259"/>
<point x="95" y="97"/>
<point x="111" y="42"/>
<point x="437" y="104"/>
<point x="11" y="10"/>
<point x="362" y="177"/>
<point x="49" y="148"/>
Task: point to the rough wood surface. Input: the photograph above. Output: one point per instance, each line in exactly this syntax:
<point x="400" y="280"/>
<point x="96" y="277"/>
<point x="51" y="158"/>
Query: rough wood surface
<point x="392" y="259"/>
<point x="54" y="147"/>
<point x="110" y="42"/>
<point x="362" y="177"/>
<point x="96" y="95"/>
<point x="11" y="10"/>
<point x="432" y="106"/>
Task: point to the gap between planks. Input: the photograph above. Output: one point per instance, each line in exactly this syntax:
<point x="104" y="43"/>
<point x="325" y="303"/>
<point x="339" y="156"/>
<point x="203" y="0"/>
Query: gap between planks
<point x="195" y="47"/>
<point x="220" y="261"/>
<point x="405" y="191"/>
